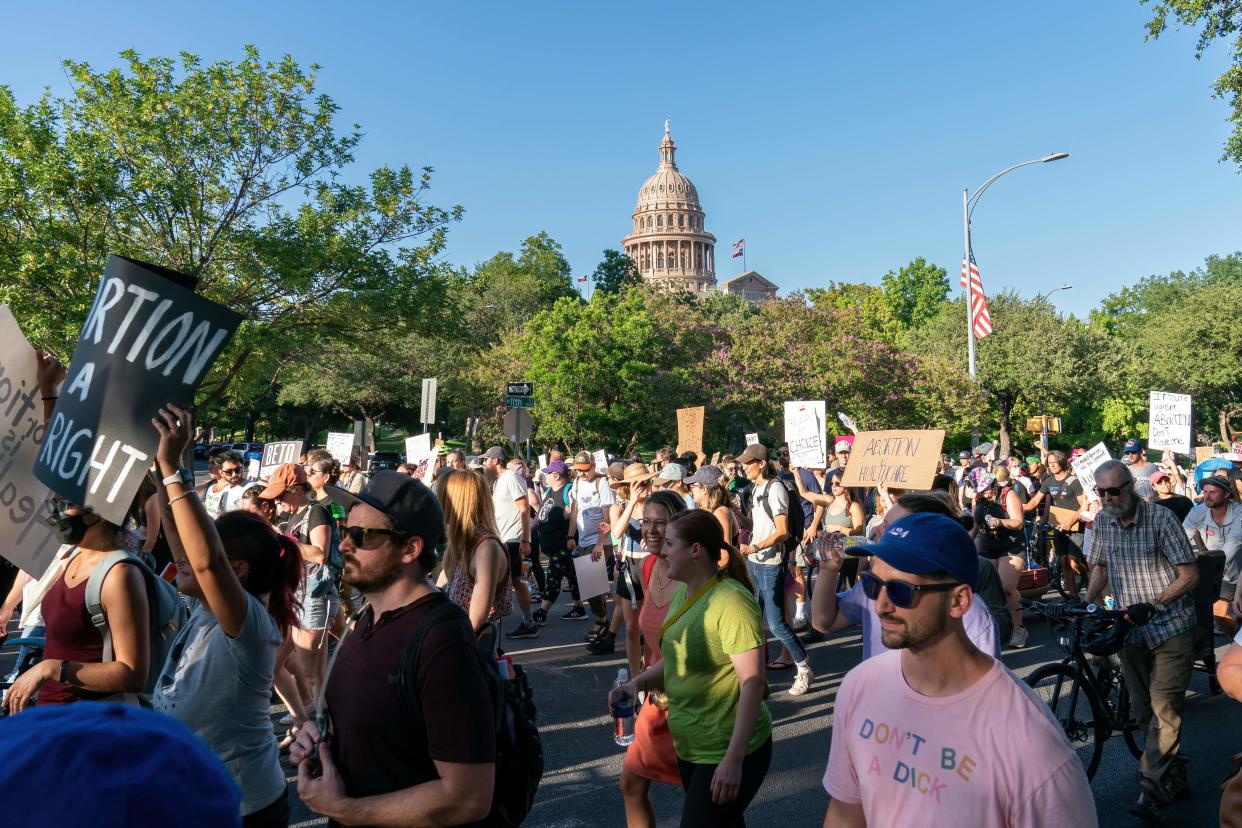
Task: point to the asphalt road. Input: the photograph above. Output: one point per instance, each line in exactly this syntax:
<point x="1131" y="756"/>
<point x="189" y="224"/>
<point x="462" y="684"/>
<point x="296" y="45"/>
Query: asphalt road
<point x="583" y="764"/>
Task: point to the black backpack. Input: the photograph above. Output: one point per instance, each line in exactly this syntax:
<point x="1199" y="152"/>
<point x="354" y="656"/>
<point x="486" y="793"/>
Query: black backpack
<point x="519" y="748"/>
<point x="796" y="518"/>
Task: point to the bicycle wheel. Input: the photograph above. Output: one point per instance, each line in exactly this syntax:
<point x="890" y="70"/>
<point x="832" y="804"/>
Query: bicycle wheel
<point x="1075" y="706"/>
<point x="1136" y="737"/>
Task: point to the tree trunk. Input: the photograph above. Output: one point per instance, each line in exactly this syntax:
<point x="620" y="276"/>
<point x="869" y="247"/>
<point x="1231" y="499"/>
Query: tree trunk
<point x="1226" y="433"/>
<point x="1006" y="410"/>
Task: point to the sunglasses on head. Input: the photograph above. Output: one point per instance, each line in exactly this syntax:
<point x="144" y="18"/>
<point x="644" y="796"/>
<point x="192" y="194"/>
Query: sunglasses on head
<point x="361" y="537"/>
<point x="901" y="593"/>
<point x="1113" y="491"/>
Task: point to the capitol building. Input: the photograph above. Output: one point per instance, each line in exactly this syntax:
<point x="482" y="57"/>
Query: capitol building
<point x="668" y="241"/>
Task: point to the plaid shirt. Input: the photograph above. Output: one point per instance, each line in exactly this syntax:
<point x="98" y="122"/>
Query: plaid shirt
<point x="1142" y="561"/>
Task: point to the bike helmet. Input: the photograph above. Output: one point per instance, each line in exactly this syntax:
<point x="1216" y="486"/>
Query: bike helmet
<point x="1103" y="636"/>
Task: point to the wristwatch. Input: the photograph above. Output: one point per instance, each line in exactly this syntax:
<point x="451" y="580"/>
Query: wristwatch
<point x="183" y="476"/>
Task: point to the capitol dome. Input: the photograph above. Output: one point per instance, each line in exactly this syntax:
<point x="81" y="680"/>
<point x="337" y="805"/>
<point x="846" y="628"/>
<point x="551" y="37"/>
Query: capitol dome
<point x="667" y="240"/>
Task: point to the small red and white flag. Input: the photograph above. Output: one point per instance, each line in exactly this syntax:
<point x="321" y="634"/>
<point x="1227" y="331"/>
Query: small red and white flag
<point x="739" y="248"/>
<point x="981" y="320"/>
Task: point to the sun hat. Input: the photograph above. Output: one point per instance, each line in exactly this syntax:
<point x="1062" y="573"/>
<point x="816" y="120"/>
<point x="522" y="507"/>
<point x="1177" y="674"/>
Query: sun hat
<point x="633" y="473"/>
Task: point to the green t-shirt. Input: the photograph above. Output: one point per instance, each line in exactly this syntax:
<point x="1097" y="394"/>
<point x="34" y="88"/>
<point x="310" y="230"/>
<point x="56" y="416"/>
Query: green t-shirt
<point x="702" y="688"/>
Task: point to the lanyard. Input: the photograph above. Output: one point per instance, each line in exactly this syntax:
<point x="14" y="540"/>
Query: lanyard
<point x="703" y="590"/>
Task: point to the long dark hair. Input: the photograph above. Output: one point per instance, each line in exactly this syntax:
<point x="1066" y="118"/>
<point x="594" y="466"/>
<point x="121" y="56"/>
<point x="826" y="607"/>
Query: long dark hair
<point x="701" y="527"/>
<point x="275" y="562"/>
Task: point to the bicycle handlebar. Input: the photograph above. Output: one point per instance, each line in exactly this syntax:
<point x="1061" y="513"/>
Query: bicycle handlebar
<point x="1072" y="611"/>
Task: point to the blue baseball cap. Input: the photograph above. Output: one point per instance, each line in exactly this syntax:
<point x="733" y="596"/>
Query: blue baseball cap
<point x="113" y="766"/>
<point x="926" y="542"/>
<point x="1132" y="446"/>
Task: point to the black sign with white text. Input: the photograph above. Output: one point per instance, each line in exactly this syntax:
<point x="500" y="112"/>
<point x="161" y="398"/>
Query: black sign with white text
<point x="148" y="340"/>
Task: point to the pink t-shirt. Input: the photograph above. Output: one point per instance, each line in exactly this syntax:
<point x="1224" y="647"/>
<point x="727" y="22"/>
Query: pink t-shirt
<point x="991" y="755"/>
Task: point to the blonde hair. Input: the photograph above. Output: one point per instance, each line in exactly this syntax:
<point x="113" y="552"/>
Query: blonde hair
<point x="468" y="516"/>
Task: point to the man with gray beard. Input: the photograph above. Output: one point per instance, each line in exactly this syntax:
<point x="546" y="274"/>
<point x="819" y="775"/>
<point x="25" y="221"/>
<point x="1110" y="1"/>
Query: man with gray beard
<point x="1143" y="553"/>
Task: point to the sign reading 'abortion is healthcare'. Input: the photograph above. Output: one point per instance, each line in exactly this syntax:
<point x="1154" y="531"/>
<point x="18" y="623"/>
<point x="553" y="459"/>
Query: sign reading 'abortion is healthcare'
<point x="148" y="340"/>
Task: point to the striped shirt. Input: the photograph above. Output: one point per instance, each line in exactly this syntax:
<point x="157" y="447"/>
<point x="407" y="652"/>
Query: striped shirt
<point x="1142" y="561"/>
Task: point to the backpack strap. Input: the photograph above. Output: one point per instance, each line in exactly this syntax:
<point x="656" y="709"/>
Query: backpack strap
<point x="442" y="609"/>
<point x="94" y="596"/>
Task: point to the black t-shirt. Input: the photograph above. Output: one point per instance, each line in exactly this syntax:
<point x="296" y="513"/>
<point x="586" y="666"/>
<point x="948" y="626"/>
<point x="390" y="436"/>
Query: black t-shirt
<point x="377" y="747"/>
<point x="993" y="543"/>
<point x="310" y="517"/>
<point x="1063" y="494"/>
<point x="554" y="518"/>
<point x="1179" y="504"/>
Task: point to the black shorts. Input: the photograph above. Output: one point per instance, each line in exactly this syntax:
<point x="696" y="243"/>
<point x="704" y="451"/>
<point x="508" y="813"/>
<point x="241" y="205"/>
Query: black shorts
<point x="514" y="550"/>
<point x="630" y="579"/>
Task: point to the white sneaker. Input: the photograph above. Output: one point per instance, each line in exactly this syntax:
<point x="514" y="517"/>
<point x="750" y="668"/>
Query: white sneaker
<point x="1018" y="640"/>
<point x="803" y="682"/>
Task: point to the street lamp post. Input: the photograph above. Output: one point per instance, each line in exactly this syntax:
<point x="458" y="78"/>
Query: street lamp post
<point x="1041" y="297"/>
<point x="969" y="202"/>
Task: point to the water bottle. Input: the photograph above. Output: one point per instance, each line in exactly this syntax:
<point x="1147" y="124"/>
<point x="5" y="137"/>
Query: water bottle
<point x="621" y="705"/>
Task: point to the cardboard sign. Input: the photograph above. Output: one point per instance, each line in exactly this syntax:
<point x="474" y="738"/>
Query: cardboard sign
<point x="25" y="538"/>
<point x="804" y="432"/>
<point x="148" y="340"/>
<point x="715" y="457"/>
<point x="690" y="430"/>
<point x="417" y="447"/>
<point x="751" y="439"/>
<point x="277" y="454"/>
<point x="1061" y="515"/>
<point x="901" y="459"/>
<point x="1169" y="422"/>
<point x="601" y="461"/>
<point x="1086" y="464"/>
<point x="1204" y="453"/>
<point x="340" y="446"/>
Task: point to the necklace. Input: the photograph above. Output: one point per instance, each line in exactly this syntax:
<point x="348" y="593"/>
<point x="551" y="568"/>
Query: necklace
<point x="660" y="584"/>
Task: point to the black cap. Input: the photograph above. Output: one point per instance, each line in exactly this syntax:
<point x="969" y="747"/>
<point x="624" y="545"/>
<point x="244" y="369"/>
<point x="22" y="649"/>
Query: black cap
<point x="1212" y="480"/>
<point x="408" y="503"/>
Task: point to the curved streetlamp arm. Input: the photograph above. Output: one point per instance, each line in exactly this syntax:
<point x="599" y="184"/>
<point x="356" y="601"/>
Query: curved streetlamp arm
<point x="974" y="198"/>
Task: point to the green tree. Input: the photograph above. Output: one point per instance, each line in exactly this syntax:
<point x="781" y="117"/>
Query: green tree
<point x="915" y="293"/>
<point x="1216" y="19"/>
<point x="230" y="172"/>
<point x="614" y="272"/>
<point x="868" y="306"/>
<point x="502" y="293"/>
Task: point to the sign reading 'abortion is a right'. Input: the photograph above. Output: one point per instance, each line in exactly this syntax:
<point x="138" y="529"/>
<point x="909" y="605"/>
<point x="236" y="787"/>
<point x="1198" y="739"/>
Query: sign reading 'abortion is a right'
<point x="148" y="340"/>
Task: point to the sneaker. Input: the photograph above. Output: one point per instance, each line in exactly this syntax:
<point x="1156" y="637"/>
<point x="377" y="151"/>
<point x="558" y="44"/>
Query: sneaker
<point x="575" y="613"/>
<point x="1148" y="808"/>
<point x="524" y="630"/>
<point x="802" y="682"/>
<point x="540" y="615"/>
<point x="1018" y="641"/>
<point x="286" y="719"/>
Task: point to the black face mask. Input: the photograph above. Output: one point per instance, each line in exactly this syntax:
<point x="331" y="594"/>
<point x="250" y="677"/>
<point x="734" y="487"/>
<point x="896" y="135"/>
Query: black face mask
<point x="69" y="528"/>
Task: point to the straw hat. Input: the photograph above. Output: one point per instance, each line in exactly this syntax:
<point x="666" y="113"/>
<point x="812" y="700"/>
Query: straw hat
<point x="634" y="473"/>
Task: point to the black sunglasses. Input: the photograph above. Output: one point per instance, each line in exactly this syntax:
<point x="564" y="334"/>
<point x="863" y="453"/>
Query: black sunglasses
<point x="231" y="471"/>
<point x="1113" y="491"/>
<point x="901" y="593"/>
<point x="360" y="535"/>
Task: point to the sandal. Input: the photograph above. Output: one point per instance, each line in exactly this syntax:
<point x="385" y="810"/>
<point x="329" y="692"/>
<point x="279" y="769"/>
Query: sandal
<point x="599" y="629"/>
<point x="780" y="665"/>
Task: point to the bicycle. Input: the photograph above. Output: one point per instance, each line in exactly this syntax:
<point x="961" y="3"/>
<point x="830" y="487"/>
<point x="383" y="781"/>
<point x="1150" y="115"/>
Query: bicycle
<point x="1041" y="548"/>
<point x="29" y="654"/>
<point x="1086" y="690"/>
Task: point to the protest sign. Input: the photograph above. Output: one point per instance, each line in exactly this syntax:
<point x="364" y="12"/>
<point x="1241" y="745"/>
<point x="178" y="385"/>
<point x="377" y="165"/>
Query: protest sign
<point x="340" y="446"/>
<point x="252" y="470"/>
<point x="804" y="432"/>
<point x="1086" y="464"/>
<point x="277" y="454"/>
<point x="1203" y="453"/>
<point x="1235" y="448"/>
<point x="715" y="457"/>
<point x="601" y="461"/>
<point x="901" y="459"/>
<point x="417" y="447"/>
<point x="543" y="462"/>
<point x="1061" y="516"/>
<point x="1169" y="422"/>
<point x="25" y="538"/>
<point x="148" y="340"/>
<point x="592" y="576"/>
<point x="690" y="430"/>
<point x="752" y="438"/>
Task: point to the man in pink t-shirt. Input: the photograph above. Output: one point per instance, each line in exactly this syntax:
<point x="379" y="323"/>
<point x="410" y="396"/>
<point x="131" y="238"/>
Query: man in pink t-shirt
<point x="934" y="732"/>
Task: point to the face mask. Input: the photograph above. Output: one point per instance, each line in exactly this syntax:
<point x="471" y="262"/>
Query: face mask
<point x="69" y="528"/>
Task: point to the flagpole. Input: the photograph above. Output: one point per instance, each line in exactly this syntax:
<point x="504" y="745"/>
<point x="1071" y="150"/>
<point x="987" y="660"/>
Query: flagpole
<point x="970" y="286"/>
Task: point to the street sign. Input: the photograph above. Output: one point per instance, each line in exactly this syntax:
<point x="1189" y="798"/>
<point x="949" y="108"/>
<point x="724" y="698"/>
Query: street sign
<point x="519" y="402"/>
<point x="517" y="425"/>
<point x="519" y="389"/>
<point x="427" y="412"/>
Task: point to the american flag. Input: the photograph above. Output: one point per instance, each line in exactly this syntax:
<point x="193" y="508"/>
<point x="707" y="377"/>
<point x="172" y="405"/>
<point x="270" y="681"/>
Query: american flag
<point x="740" y="247"/>
<point x="739" y="243"/>
<point x="982" y="320"/>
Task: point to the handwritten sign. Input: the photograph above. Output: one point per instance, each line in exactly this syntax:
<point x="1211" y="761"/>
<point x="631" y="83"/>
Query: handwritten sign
<point x="340" y="445"/>
<point x="1086" y="464"/>
<point x="804" y="432"/>
<point x="1169" y="422"/>
<point x="690" y="430"/>
<point x="901" y="459"/>
<point x="752" y="438"/>
<point x="25" y="538"/>
<point x="148" y="340"/>
<point x="277" y="454"/>
<point x="601" y="461"/>
<point x="417" y="447"/>
<point x="1203" y="453"/>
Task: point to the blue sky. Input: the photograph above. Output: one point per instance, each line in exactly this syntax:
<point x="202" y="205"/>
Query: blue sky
<point x="836" y="138"/>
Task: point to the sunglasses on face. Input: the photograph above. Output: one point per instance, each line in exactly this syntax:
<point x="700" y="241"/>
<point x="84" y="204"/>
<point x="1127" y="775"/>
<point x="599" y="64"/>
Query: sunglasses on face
<point x="1113" y="491"/>
<point x="230" y="471"/>
<point x="901" y="593"/>
<point x="362" y="537"/>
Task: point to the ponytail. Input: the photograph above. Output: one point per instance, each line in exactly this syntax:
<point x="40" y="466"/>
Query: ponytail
<point x="275" y="561"/>
<point x="701" y="527"/>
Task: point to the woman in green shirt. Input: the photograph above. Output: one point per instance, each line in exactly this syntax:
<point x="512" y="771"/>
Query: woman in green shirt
<point x="713" y="646"/>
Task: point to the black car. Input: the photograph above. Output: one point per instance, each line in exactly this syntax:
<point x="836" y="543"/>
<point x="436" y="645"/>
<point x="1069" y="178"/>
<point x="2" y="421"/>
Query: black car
<point x="381" y="460"/>
<point x="200" y="451"/>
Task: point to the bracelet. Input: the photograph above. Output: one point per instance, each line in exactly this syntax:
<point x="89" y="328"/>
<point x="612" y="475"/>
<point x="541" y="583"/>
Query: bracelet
<point x="178" y="497"/>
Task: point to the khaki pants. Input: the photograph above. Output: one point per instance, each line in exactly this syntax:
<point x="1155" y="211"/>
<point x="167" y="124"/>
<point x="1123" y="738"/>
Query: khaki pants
<point x="1157" y="680"/>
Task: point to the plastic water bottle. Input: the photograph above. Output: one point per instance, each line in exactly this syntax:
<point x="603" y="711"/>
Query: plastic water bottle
<point x="621" y="705"/>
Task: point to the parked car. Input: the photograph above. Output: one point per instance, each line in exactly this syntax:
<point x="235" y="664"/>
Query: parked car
<point x="253" y="452"/>
<point x="380" y="460"/>
<point x="200" y="451"/>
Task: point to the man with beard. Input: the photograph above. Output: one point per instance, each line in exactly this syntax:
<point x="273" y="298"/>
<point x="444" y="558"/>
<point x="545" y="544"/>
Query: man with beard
<point x="914" y="738"/>
<point x="1143" y="553"/>
<point x="381" y="763"/>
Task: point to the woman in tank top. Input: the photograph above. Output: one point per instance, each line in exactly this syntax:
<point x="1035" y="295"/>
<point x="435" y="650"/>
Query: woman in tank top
<point x="476" y="566"/>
